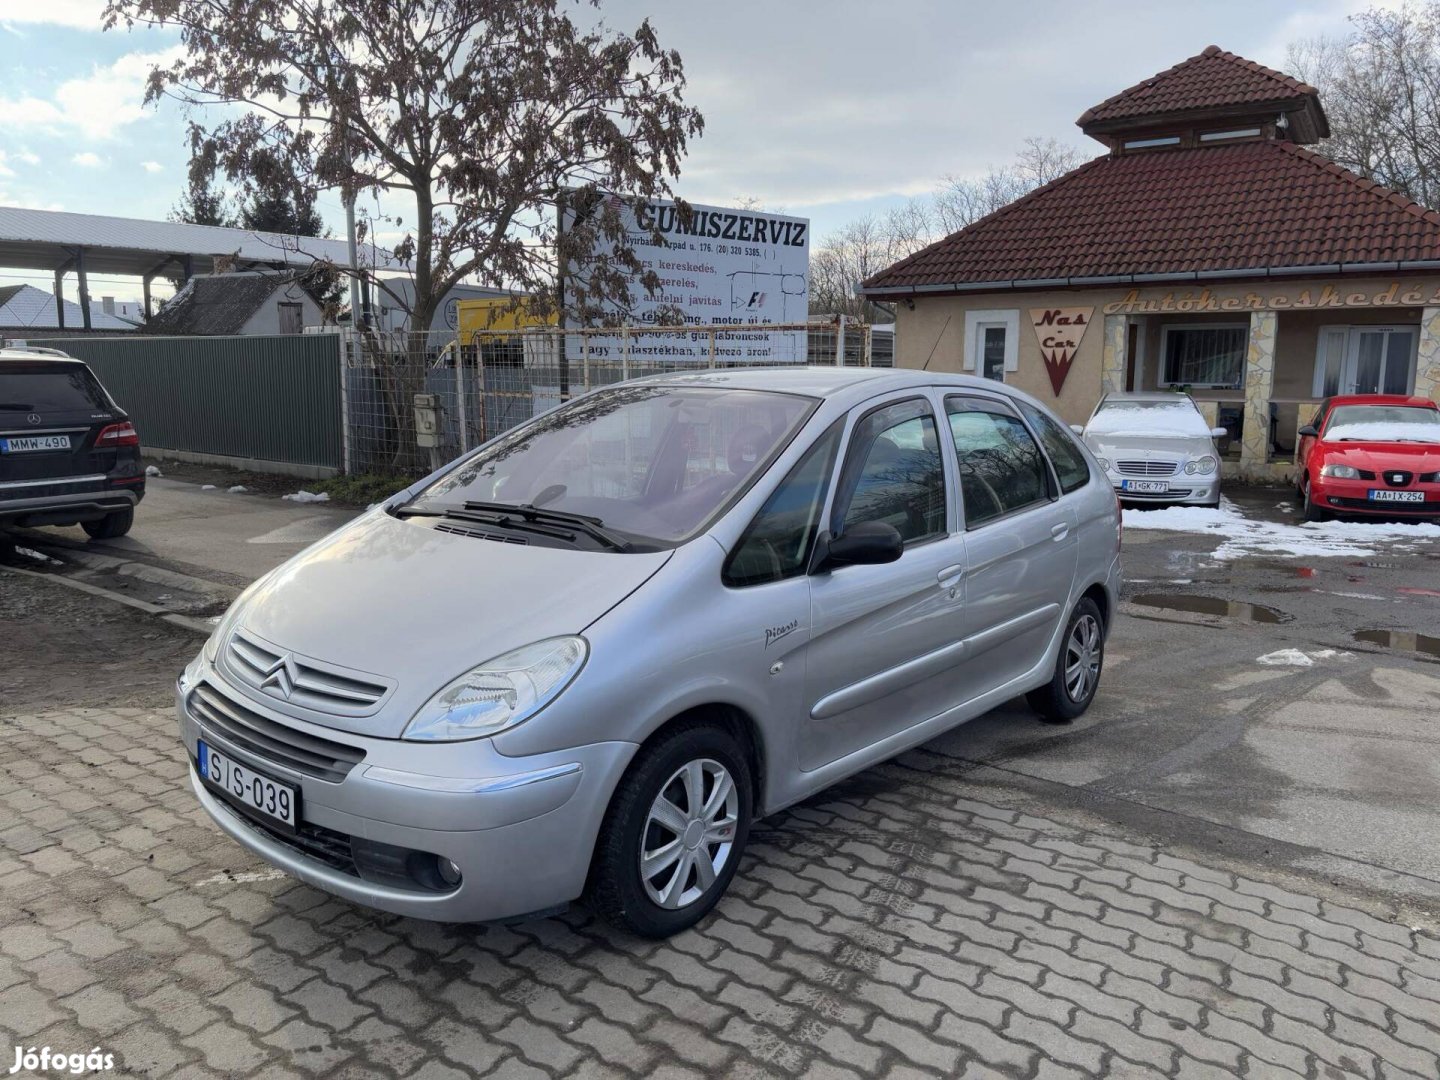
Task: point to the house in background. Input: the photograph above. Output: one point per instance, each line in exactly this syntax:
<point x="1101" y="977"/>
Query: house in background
<point x="250" y="303"/>
<point x="31" y="310"/>
<point x="131" y="311"/>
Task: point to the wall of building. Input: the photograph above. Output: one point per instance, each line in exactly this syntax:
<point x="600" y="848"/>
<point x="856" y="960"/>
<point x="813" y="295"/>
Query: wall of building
<point x="266" y="321"/>
<point x="934" y="330"/>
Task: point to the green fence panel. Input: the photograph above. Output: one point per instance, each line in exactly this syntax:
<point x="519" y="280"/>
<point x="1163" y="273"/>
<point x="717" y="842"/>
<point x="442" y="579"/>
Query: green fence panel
<point x="264" y="398"/>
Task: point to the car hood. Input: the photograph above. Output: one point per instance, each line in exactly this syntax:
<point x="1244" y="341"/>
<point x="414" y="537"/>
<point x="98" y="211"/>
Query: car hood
<point x="414" y="608"/>
<point x="1377" y="457"/>
<point x="1142" y="447"/>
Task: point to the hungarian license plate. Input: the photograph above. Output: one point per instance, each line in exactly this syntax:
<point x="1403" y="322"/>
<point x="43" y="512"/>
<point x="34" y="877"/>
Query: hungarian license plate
<point x="1391" y="495"/>
<point x="19" y="444"/>
<point x="1145" y="487"/>
<point x="254" y="790"/>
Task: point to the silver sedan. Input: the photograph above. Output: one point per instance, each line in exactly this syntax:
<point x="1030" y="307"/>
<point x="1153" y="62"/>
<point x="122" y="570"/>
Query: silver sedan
<point x="1156" y="447"/>
<point x="586" y="657"/>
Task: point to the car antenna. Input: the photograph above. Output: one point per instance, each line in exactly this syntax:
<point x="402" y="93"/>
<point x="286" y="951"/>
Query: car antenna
<point x="926" y="366"/>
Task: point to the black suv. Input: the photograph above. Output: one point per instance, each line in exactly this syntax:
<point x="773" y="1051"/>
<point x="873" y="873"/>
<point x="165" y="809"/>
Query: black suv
<point x="68" y="454"/>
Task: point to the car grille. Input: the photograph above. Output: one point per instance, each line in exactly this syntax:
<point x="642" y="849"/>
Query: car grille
<point x="246" y="730"/>
<point x="302" y="682"/>
<point x="479" y="534"/>
<point x="1147" y="468"/>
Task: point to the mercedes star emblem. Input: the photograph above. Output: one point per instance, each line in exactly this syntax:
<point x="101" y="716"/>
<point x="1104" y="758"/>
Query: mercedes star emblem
<point x="34" y="418"/>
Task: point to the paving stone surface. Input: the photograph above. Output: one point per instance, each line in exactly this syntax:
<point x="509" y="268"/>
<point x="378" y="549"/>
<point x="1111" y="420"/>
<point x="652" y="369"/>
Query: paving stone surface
<point x="897" y="926"/>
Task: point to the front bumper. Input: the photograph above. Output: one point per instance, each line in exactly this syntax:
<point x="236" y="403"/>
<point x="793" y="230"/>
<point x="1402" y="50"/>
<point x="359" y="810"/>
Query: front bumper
<point x="1184" y="491"/>
<point x="1353" y="497"/>
<point x="520" y="830"/>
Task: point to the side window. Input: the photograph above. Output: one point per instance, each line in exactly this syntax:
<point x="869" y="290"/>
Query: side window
<point x="1001" y="467"/>
<point x="894" y="473"/>
<point x="1070" y="464"/>
<point x="777" y="543"/>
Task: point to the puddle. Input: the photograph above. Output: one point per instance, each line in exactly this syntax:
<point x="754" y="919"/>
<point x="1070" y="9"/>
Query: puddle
<point x="1403" y="640"/>
<point x="1213" y="605"/>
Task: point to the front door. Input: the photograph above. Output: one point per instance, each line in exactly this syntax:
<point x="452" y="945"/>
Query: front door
<point x="1379" y="360"/>
<point x="877" y="664"/>
<point x="1020" y="538"/>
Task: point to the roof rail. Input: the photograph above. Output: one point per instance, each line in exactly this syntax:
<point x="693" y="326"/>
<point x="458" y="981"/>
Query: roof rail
<point x="38" y="350"/>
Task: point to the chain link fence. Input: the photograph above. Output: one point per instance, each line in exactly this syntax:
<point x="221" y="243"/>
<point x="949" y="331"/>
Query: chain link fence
<point x="413" y="402"/>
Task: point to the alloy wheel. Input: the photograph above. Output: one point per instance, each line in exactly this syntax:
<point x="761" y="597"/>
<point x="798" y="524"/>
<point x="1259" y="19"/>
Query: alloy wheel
<point x="689" y="833"/>
<point x="1082" y="658"/>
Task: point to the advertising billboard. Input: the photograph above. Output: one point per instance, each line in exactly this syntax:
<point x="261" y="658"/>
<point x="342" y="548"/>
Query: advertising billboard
<point x="721" y="267"/>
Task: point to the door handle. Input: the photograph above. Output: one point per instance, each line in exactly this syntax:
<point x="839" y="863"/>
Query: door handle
<point x="950" y="576"/>
<point x="1059" y="532"/>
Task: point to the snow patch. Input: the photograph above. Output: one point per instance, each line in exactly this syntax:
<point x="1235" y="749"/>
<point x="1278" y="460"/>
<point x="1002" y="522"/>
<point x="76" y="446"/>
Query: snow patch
<point x="207" y="487"/>
<point x="238" y="489"/>
<point x="303" y="496"/>
<point x="1241" y="536"/>
<point x="1299" y="658"/>
<point x="153" y="470"/>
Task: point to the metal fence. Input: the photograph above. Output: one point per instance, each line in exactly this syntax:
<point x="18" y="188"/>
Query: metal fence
<point x="265" y="402"/>
<point x="470" y="389"/>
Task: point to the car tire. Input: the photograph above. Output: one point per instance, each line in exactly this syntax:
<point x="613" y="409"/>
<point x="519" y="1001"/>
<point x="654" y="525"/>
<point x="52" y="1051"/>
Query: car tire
<point x="1309" y="511"/>
<point x="110" y="526"/>
<point x="1072" y="687"/>
<point x="681" y="891"/>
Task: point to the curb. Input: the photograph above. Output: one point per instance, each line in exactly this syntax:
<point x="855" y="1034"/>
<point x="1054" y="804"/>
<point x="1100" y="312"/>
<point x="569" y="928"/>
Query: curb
<point x="185" y="622"/>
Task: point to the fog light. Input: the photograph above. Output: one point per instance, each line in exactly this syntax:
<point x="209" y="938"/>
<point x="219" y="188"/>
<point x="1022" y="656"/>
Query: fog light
<point x="449" y="872"/>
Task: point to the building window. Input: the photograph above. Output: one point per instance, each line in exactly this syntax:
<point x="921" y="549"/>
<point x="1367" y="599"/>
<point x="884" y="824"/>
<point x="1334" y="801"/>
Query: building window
<point x="992" y="343"/>
<point x="1147" y="144"/>
<point x="1223" y="136"/>
<point x="1365" y="360"/>
<point x="1204" y="355"/>
<point x="292" y="318"/>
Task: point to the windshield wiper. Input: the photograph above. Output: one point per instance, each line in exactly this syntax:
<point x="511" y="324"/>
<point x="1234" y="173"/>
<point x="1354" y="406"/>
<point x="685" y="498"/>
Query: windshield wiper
<point x="531" y="514"/>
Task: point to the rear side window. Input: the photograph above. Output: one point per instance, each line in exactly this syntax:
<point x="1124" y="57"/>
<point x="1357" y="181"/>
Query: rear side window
<point x="777" y="543"/>
<point x="1001" y="467"/>
<point x="1071" y="467"/>
<point x="53" y="389"/>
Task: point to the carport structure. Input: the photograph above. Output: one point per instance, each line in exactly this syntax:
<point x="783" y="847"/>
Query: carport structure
<point x="61" y="242"/>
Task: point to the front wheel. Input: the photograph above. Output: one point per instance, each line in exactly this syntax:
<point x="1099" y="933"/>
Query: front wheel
<point x="673" y="834"/>
<point x="1077" y="669"/>
<point x="111" y="525"/>
<point x="1310" y="510"/>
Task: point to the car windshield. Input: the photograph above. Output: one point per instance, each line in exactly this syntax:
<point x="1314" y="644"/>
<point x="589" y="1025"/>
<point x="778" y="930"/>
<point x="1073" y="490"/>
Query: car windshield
<point x="54" y="388"/>
<point x="1171" y="419"/>
<point x="1383" y="423"/>
<point x="651" y="463"/>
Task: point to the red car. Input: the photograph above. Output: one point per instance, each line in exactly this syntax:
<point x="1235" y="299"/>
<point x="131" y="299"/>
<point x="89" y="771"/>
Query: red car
<point x="1371" y="454"/>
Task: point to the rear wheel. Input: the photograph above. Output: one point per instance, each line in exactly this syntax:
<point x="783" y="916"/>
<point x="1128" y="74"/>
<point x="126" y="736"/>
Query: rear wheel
<point x="111" y="525"/>
<point x="1310" y="511"/>
<point x="1077" y="669"/>
<point x="673" y="834"/>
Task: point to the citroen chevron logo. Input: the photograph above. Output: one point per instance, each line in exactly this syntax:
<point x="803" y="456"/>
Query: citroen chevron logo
<point x="280" y="677"/>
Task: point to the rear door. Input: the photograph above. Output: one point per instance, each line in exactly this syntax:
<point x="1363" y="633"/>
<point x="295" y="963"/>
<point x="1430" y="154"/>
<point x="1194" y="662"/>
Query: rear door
<point x="1020" y="536"/>
<point x="50" y="413"/>
<point x="877" y="661"/>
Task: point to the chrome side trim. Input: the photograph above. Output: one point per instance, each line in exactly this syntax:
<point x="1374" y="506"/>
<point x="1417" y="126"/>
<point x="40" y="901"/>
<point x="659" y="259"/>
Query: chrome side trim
<point x="97" y="477"/>
<point x="472" y="785"/>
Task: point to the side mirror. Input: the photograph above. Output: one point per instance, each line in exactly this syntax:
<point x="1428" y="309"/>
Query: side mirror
<point x="866" y="544"/>
<point x="1308" y="429"/>
<point x="1078" y="429"/>
<point x="1219" y="433"/>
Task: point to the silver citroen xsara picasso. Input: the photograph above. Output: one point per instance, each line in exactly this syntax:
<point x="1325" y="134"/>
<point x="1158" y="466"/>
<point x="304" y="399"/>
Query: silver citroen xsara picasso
<point x="584" y="658"/>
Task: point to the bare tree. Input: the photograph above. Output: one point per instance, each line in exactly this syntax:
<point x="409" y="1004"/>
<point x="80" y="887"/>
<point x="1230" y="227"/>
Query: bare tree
<point x="481" y="115"/>
<point x="1380" y="86"/>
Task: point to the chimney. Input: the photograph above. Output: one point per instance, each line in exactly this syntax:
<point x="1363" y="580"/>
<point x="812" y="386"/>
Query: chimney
<point x="107" y="304"/>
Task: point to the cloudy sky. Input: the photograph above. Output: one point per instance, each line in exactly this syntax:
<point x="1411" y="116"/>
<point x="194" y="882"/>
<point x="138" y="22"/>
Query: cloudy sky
<point x="822" y="108"/>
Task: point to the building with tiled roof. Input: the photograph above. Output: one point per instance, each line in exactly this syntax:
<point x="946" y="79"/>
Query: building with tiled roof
<point x="1208" y="249"/>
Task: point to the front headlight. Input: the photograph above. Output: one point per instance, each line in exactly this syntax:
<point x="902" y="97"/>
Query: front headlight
<point x="500" y="693"/>
<point x="1104" y="463"/>
<point x="1341" y="472"/>
<point x="1204" y="466"/>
